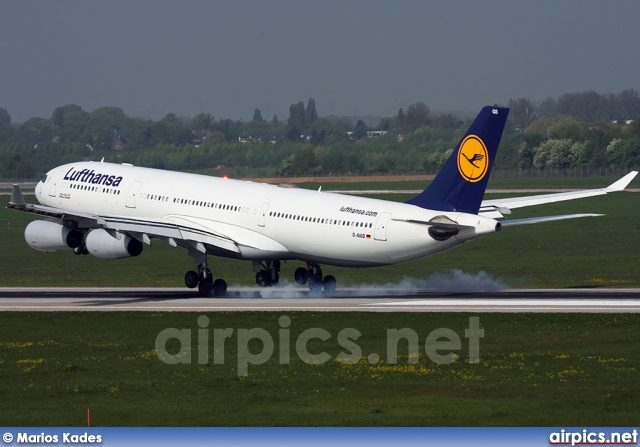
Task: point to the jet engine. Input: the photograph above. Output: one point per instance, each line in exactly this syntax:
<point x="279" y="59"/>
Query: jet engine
<point x="46" y="235"/>
<point x="101" y="244"/>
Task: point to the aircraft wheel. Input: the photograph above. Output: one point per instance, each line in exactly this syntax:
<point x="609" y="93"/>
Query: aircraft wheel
<point x="262" y="278"/>
<point x="315" y="286"/>
<point x="315" y="283"/>
<point x="191" y="279"/>
<point x="274" y="282"/>
<point x="301" y="276"/>
<point x="315" y="278"/>
<point x="219" y="287"/>
<point x="205" y="286"/>
<point x="329" y="284"/>
<point x="81" y="250"/>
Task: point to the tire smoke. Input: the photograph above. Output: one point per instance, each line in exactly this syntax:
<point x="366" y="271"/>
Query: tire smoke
<point x="455" y="281"/>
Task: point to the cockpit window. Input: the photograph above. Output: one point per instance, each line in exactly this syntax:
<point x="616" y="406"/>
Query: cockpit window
<point x="44" y="179"/>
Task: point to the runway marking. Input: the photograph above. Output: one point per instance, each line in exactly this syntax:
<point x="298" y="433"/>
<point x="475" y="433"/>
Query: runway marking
<point x="510" y="302"/>
<point x="420" y="306"/>
<point x="392" y="300"/>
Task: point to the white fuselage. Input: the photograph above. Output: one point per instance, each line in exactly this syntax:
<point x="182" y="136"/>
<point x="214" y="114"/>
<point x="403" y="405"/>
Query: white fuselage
<point x="254" y="221"/>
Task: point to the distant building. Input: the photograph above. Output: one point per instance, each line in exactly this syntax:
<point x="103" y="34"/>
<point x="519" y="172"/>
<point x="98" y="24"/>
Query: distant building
<point x="371" y="134"/>
<point x="199" y="137"/>
<point x="269" y="136"/>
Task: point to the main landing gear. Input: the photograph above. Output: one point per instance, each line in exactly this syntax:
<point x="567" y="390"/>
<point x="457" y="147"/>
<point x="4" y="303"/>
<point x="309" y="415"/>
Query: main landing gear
<point x="81" y="250"/>
<point x="268" y="275"/>
<point x="203" y="280"/>
<point x="313" y="276"/>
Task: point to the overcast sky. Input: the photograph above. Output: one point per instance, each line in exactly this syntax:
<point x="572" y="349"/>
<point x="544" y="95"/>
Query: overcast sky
<point x="353" y="56"/>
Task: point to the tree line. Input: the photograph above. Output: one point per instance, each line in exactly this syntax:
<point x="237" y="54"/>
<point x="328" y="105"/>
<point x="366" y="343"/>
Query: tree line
<point x="575" y="130"/>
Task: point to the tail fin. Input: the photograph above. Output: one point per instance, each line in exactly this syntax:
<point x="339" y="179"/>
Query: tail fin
<point x="460" y="184"/>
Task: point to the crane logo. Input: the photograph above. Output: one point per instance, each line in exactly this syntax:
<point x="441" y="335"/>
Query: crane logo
<point x="473" y="159"/>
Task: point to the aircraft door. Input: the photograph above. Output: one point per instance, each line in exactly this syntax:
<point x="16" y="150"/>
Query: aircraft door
<point x="53" y="187"/>
<point x="133" y="193"/>
<point x="263" y="214"/>
<point x="381" y="227"/>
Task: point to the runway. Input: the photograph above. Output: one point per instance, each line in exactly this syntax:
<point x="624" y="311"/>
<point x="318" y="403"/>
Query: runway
<point x="299" y="299"/>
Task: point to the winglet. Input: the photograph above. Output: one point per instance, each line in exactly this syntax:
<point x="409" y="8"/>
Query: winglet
<point x="623" y="182"/>
<point x="16" y="196"/>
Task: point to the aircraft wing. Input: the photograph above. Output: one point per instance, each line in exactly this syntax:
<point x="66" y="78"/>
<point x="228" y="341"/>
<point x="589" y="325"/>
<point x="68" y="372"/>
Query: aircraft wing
<point x="497" y="208"/>
<point x="175" y="230"/>
<point x="18" y="203"/>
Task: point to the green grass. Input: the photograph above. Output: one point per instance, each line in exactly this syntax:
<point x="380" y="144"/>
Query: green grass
<point x="534" y="370"/>
<point x="590" y="252"/>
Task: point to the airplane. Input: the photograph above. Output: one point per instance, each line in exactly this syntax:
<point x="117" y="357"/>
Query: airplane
<point x="112" y="210"/>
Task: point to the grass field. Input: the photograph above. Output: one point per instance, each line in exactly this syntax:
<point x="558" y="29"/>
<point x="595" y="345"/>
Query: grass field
<point x="534" y="370"/>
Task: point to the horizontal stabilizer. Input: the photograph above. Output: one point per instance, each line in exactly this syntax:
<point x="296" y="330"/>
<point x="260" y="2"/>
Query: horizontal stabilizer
<point x="534" y="220"/>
